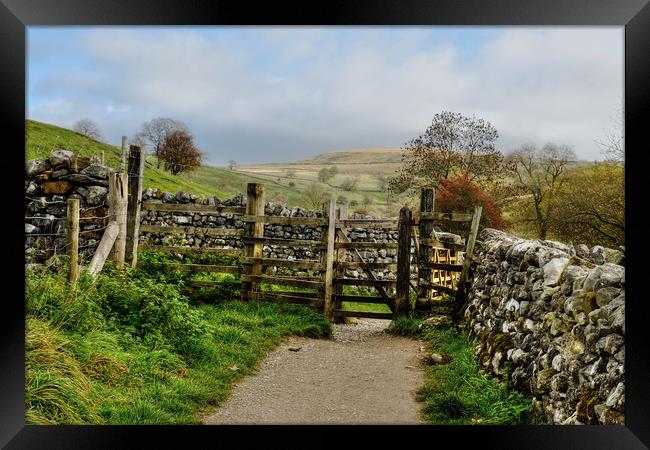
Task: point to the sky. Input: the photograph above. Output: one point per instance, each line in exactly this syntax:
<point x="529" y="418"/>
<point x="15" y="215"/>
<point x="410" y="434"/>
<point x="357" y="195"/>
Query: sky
<point x="281" y="94"/>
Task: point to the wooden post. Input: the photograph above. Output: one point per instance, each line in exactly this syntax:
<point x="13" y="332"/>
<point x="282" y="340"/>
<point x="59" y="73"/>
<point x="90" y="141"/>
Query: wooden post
<point x="136" y="174"/>
<point x="103" y="249"/>
<point x="101" y="159"/>
<point x="123" y="153"/>
<point x="402" y="304"/>
<point x="72" y="238"/>
<point x="427" y="201"/>
<point x="327" y="258"/>
<point x="117" y="202"/>
<point x="254" y="207"/>
<point x="339" y="270"/>
<point x="461" y="294"/>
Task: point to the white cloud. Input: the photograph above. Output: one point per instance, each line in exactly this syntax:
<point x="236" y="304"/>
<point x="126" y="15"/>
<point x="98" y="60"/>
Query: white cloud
<point x="280" y="94"/>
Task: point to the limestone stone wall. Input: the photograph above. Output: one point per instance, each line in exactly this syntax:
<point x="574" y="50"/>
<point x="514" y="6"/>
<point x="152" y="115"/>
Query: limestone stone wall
<point x="550" y="319"/>
<point x="232" y="221"/>
<point x="49" y="182"/>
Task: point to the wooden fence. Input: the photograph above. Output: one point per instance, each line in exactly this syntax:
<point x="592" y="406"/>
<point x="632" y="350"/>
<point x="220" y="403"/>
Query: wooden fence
<point x="438" y="259"/>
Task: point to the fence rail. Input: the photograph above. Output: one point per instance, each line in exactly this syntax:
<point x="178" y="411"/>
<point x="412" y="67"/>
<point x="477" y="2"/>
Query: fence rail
<point x="440" y="264"/>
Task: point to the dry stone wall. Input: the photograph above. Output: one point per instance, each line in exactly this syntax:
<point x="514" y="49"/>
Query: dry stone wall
<point x="550" y="319"/>
<point x="233" y="221"/>
<point x="49" y="182"/>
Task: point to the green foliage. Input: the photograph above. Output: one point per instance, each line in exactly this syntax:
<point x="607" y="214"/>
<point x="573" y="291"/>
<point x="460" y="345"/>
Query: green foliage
<point x="130" y="349"/>
<point x="349" y="184"/>
<point x="592" y="210"/>
<point x="405" y="326"/>
<point x="457" y="393"/>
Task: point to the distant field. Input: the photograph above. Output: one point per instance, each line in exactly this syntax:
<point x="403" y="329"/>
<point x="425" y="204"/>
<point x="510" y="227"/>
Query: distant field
<point x="42" y="138"/>
<point x="366" y="166"/>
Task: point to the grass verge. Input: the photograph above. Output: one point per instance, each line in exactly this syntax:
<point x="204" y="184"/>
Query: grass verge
<point x="457" y="393"/>
<point x="130" y="349"/>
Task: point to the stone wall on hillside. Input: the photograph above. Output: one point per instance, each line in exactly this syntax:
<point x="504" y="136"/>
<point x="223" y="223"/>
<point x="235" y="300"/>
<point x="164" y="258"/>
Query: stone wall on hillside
<point x="49" y="182"/>
<point x="550" y="319"/>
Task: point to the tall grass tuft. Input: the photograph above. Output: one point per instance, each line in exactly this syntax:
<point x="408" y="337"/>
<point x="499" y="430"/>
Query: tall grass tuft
<point x="458" y="393"/>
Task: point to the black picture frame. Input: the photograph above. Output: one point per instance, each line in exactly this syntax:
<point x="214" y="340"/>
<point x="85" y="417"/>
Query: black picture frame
<point x="634" y="15"/>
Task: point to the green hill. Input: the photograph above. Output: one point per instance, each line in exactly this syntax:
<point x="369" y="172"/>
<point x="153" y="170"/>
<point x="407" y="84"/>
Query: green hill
<point x="42" y="138"/>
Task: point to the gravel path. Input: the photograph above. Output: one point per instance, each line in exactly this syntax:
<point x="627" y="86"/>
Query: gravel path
<point x="361" y="376"/>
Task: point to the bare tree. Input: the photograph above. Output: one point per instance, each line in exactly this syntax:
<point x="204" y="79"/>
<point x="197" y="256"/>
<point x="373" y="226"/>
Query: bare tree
<point x="231" y="164"/>
<point x="541" y="174"/>
<point x="155" y="132"/>
<point x="88" y="128"/>
<point x="612" y="145"/>
<point x="453" y="145"/>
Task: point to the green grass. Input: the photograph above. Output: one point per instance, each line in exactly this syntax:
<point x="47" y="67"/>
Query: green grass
<point x="457" y="393"/>
<point x="132" y="349"/>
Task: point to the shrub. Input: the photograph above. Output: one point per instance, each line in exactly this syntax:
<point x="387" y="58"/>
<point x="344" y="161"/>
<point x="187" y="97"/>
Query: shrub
<point x="461" y="195"/>
<point x="349" y="184"/>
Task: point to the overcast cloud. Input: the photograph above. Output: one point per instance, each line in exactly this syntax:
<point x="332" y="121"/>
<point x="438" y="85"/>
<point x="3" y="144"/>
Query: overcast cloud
<point x="272" y="94"/>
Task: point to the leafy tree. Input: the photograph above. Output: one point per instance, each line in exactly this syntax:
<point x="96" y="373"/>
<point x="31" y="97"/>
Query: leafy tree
<point x="326" y="173"/>
<point x="88" y="128"/>
<point x="155" y="132"/>
<point x="179" y="153"/>
<point x="453" y="145"/>
<point x="541" y="173"/>
<point x="314" y="196"/>
<point x="593" y="206"/>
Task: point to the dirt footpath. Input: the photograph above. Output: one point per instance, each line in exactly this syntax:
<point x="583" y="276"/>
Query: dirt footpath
<point x="361" y="376"/>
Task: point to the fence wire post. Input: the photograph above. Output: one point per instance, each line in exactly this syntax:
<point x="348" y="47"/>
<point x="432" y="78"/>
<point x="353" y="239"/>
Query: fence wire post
<point x="72" y="238"/>
<point x="135" y="177"/>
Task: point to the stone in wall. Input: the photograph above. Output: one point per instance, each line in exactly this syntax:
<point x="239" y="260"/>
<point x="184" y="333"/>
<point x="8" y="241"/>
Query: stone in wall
<point x="49" y="182"/>
<point x="551" y="319"/>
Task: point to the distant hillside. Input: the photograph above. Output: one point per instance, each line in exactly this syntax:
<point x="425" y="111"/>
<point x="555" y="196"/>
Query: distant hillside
<point x="365" y="166"/>
<point x="380" y="155"/>
<point x="42" y="138"/>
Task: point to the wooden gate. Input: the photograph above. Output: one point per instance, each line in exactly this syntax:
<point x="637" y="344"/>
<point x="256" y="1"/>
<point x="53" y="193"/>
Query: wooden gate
<point x="443" y="260"/>
<point x="440" y="260"/>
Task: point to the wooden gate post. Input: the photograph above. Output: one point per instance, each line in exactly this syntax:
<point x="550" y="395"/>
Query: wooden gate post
<point x="427" y="201"/>
<point x="254" y="207"/>
<point x="124" y="151"/>
<point x="72" y="238"/>
<point x="117" y="203"/>
<point x="136" y="174"/>
<point x="402" y="303"/>
<point x="327" y="258"/>
<point x="339" y="270"/>
<point x="461" y="295"/>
